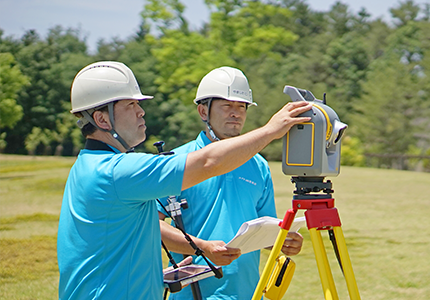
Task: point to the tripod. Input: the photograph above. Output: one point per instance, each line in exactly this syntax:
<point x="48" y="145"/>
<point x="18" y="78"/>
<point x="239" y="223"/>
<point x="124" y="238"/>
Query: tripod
<point x="320" y="215"/>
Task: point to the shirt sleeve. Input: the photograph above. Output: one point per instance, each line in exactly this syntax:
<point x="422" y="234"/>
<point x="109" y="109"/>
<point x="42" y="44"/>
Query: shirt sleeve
<point x="146" y="177"/>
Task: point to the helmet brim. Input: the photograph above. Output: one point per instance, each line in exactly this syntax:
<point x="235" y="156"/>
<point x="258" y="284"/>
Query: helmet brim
<point x="235" y="99"/>
<point x="139" y="98"/>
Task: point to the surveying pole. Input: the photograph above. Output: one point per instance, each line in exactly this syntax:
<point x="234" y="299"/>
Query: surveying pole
<point x="320" y="215"/>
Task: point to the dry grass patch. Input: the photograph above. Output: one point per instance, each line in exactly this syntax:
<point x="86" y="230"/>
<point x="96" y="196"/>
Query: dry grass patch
<point x="27" y="259"/>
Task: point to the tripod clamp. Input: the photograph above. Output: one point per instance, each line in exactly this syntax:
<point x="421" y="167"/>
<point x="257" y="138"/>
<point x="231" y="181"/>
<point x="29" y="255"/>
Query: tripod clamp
<point x="174" y="206"/>
<point x="307" y="185"/>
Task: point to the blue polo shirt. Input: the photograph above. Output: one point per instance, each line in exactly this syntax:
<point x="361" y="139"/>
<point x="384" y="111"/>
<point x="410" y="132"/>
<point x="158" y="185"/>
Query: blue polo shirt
<point x="109" y="244"/>
<point x="217" y="208"/>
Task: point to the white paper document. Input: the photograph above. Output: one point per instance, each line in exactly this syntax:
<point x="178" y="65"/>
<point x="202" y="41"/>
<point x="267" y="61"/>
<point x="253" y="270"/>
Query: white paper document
<point x="260" y="233"/>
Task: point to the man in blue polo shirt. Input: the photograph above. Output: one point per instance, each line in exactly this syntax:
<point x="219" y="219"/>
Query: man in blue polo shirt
<point x="218" y="206"/>
<point x="109" y="244"/>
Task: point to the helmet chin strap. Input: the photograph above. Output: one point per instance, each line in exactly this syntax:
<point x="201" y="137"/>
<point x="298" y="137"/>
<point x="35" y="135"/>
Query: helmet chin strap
<point x="114" y="134"/>
<point x="211" y="132"/>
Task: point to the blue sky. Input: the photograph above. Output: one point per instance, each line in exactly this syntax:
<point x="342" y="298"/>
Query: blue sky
<point x="106" y="19"/>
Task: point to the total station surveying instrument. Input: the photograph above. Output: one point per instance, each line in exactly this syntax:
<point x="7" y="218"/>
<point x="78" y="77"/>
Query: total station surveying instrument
<point x="311" y="151"/>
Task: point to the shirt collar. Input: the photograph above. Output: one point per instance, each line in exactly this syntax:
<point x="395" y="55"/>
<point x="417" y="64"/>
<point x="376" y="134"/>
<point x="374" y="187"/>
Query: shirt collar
<point x="91" y="144"/>
<point x="202" y="140"/>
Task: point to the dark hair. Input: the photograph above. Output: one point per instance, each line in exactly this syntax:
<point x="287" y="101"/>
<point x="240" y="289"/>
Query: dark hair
<point x="89" y="128"/>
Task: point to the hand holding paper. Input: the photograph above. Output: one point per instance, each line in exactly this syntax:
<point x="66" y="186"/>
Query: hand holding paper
<point x="260" y="233"/>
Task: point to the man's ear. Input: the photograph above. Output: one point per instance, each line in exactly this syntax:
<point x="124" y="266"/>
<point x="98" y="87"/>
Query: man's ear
<point x="203" y="111"/>
<point x="102" y="119"/>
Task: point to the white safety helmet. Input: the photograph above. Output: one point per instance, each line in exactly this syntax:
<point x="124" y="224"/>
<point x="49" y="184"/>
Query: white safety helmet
<point x="223" y="83"/>
<point x="226" y="83"/>
<point x="101" y="83"/>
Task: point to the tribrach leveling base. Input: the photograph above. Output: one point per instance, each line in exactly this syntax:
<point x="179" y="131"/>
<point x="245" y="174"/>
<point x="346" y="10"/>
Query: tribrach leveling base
<point x="320" y="215"/>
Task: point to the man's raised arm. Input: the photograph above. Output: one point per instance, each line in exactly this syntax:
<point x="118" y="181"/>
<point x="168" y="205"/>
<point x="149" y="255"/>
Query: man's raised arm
<point x="228" y="154"/>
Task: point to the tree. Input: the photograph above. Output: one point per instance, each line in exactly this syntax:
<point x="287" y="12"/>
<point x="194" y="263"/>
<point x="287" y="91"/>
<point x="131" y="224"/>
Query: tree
<point x="340" y="20"/>
<point x="46" y="64"/>
<point x="367" y="68"/>
<point x="109" y="50"/>
<point x="346" y="62"/>
<point x="303" y="21"/>
<point x="9" y="44"/>
<point x="406" y="12"/>
<point x="11" y="82"/>
<point x="386" y="122"/>
<point x="181" y="61"/>
<point x="396" y="100"/>
<point x="239" y="34"/>
<point x="165" y="15"/>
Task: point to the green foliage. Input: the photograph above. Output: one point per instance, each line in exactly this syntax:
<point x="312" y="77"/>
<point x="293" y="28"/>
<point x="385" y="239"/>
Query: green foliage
<point x="352" y="152"/>
<point x="36" y="137"/>
<point x="426" y="162"/>
<point x="2" y="141"/>
<point x="263" y="41"/>
<point x="11" y="82"/>
<point x="346" y="63"/>
<point x="109" y="50"/>
<point x="376" y="76"/>
<point x="392" y="113"/>
<point x="51" y="66"/>
<point x="406" y="12"/>
<point x="165" y="14"/>
<point x="385" y="126"/>
<point x="180" y="58"/>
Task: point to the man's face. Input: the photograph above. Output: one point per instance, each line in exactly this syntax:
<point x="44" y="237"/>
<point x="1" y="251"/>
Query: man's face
<point x="129" y="122"/>
<point x="227" y="118"/>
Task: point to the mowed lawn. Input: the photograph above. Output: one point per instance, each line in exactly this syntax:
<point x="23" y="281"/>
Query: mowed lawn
<point x="384" y="213"/>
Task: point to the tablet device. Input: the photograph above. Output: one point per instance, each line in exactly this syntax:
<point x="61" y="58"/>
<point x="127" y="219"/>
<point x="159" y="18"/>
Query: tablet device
<point x="176" y="279"/>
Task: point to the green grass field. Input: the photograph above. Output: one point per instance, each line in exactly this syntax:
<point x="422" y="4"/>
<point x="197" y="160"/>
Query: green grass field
<point x="384" y="213"/>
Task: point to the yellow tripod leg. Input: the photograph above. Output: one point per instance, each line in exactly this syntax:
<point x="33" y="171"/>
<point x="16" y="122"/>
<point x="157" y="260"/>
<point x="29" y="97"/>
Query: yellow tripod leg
<point x="346" y="264"/>
<point x="268" y="268"/>
<point x="327" y="282"/>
